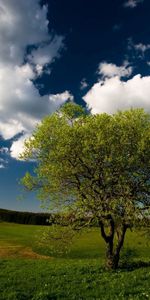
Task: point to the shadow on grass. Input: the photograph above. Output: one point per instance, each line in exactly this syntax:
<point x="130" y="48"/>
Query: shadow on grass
<point x="131" y="266"/>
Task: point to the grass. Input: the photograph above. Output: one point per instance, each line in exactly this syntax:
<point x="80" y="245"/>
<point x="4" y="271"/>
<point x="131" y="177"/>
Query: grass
<point x="26" y="274"/>
<point x="70" y="279"/>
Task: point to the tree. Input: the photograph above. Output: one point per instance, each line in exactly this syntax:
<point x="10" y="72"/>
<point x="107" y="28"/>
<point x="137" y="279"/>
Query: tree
<point x="97" y="164"/>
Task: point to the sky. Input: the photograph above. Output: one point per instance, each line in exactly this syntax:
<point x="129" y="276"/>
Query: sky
<point x="95" y="53"/>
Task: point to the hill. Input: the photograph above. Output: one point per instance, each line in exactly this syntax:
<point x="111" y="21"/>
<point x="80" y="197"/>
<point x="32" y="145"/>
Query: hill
<point x="24" y="217"/>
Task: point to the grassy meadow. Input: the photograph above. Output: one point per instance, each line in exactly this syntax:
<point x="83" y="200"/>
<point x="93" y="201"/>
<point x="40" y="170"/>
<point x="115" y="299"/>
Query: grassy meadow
<point x="29" y="271"/>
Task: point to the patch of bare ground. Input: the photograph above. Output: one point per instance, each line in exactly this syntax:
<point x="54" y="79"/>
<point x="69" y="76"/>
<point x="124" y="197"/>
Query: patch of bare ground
<point x="17" y="251"/>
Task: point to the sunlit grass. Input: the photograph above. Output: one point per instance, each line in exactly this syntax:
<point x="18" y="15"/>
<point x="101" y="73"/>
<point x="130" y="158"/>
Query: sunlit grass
<point x="78" y="274"/>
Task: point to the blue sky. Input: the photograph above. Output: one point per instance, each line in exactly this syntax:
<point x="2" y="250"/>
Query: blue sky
<point x="96" y="53"/>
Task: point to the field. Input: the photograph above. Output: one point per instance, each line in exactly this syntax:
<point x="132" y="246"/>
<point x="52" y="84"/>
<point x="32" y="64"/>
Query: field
<point x="28" y="271"/>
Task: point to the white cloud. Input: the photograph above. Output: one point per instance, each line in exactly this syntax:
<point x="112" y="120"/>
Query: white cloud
<point x="139" y="48"/>
<point x="18" y="146"/>
<point x="54" y="102"/>
<point x="109" y="70"/>
<point x="21" y="105"/>
<point x="113" y="94"/>
<point x="46" y="54"/>
<point x="142" y="47"/>
<point x="2" y="166"/>
<point x="60" y="98"/>
<point x="83" y="84"/>
<point x="23" y="24"/>
<point x="132" y="3"/>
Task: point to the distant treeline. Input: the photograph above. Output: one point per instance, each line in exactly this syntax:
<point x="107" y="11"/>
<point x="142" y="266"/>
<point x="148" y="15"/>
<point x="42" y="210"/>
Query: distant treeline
<point x="31" y="218"/>
<point x="25" y="217"/>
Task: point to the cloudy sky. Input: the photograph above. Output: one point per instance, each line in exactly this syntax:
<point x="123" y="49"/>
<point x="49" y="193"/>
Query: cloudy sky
<point x="96" y="53"/>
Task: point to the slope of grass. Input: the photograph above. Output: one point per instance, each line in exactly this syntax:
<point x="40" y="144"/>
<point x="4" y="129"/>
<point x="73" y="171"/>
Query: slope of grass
<point x="88" y="245"/>
<point x="77" y="275"/>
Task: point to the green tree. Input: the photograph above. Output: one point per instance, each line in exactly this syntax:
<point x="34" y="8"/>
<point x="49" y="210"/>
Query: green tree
<point x="98" y="165"/>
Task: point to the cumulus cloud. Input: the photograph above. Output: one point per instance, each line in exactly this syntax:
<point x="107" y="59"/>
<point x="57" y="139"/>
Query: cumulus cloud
<point x="132" y="3"/>
<point x="109" y="70"/>
<point x="60" y="98"/>
<point x="46" y="54"/>
<point x="26" y="49"/>
<point x="22" y="23"/>
<point x="113" y="94"/>
<point x="18" y="146"/>
<point x="54" y="101"/>
<point x="21" y="105"/>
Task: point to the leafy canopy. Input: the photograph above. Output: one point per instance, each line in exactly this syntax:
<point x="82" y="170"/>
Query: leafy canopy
<point x="97" y="164"/>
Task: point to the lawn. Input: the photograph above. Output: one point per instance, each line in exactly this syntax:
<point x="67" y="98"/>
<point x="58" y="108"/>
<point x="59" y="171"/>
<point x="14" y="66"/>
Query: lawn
<point x="26" y="272"/>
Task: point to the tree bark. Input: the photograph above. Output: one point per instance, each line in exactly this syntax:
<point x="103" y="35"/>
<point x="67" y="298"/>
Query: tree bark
<point x="113" y="260"/>
<point x="113" y="254"/>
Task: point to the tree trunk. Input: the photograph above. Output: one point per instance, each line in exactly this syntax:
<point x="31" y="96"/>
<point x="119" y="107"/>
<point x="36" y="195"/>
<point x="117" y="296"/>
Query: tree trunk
<point x="112" y="261"/>
<point x="113" y="255"/>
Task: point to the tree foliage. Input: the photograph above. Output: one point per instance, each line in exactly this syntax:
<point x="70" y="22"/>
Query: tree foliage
<point x="98" y="165"/>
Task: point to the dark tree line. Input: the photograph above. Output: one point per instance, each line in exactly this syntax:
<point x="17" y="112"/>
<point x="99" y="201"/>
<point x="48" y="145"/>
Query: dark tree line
<point x="25" y="217"/>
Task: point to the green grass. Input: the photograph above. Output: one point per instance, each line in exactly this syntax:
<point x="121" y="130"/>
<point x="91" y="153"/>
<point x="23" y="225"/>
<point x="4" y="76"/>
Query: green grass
<point x="87" y="245"/>
<point x="70" y="279"/>
<point x="18" y="233"/>
<point x="80" y="274"/>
